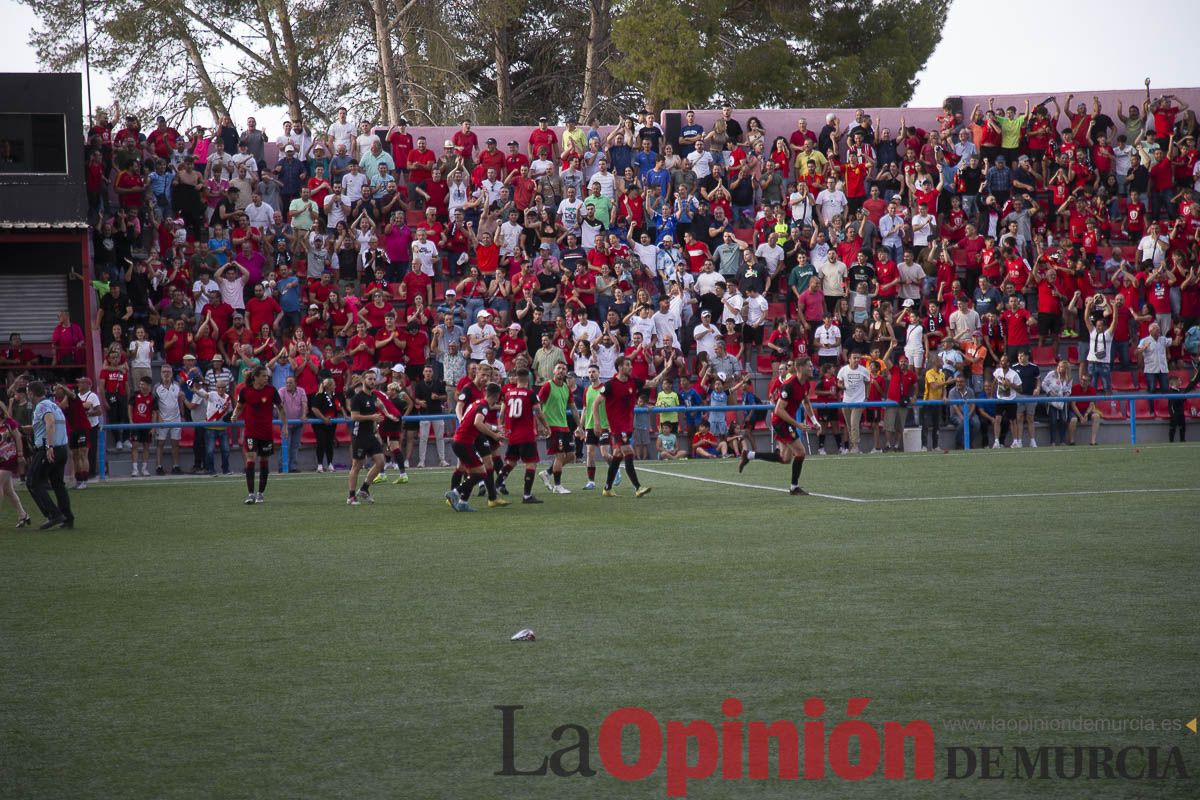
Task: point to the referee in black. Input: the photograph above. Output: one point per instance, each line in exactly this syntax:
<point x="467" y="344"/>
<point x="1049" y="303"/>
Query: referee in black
<point x="49" y="460"/>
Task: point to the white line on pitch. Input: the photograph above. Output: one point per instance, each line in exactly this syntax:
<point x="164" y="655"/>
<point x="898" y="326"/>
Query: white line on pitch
<point x="744" y="485"/>
<point x="1079" y="493"/>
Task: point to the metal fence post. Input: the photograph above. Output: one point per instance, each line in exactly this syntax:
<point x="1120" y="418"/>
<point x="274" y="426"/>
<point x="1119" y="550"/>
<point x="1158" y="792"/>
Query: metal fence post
<point x="283" y="447"/>
<point x="101" y="451"/>
<point x="1133" y="421"/>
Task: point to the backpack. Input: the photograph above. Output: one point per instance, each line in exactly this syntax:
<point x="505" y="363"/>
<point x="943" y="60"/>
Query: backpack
<point x="1191" y="340"/>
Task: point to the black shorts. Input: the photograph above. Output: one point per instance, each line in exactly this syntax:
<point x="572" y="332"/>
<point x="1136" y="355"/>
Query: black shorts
<point x="142" y="436"/>
<point x="1049" y="324"/>
<point x="260" y="447"/>
<point x="599" y="441"/>
<point x="620" y="438"/>
<point x="485" y="446"/>
<point x="79" y="441"/>
<point x="783" y="432"/>
<point x="466" y="455"/>
<point x="522" y="451"/>
<point x="561" y="441"/>
<point x="412" y="425"/>
<point x="390" y="430"/>
<point x="367" y="448"/>
<point x="828" y="414"/>
<point x="752" y="334"/>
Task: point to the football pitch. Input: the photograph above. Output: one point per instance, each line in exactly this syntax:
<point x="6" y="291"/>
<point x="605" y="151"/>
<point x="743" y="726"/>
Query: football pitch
<point x="179" y="644"/>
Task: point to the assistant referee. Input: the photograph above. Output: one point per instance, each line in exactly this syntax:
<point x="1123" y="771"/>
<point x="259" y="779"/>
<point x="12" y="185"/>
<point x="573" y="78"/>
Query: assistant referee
<point x="49" y="460"/>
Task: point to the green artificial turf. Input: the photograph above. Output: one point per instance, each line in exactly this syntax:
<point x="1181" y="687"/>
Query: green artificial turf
<point x="178" y="644"/>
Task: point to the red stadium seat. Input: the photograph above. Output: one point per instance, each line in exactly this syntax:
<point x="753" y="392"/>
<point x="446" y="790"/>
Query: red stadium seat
<point x="1191" y="408"/>
<point x="1113" y="409"/>
<point x="187" y="437"/>
<point x="415" y="217"/>
<point x="1124" y="381"/>
<point x="745" y="234"/>
<point x="765" y="364"/>
<point x="1143" y="409"/>
<point x="1044" y="356"/>
<point x="1073" y="354"/>
<point x="777" y="311"/>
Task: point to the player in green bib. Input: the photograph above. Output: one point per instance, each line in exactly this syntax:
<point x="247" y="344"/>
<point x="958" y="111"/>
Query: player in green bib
<point x="555" y="396"/>
<point x="587" y="431"/>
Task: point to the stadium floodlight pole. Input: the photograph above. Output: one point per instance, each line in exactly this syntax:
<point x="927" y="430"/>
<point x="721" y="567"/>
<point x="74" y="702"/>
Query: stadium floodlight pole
<point x="87" y="63"/>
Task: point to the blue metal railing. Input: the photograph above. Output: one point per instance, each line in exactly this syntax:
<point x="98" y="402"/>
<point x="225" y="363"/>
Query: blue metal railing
<point x="1129" y="398"/>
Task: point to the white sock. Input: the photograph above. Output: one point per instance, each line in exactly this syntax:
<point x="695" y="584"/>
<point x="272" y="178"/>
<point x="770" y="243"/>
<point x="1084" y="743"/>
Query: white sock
<point x="749" y="454"/>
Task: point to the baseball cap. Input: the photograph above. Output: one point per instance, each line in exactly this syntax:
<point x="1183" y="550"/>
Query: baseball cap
<point x="908" y="303"/>
<point x="545" y="246"/>
<point x="722" y="376"/>
<point x="397" y="368"/>
<point x="516" y="326"/>
<point x="483" y="313"/>
<point x="706" y="313"/>
<point x="543" y="119"/>
<point x="289" y="149"/>
<point x="311" y="306"/>
<point x="189" y="355"/>
<point x="451" y="292"/>
<point x="447" y="143"/>
<point x="514" y="143"/>
<point x="491" y="140"/>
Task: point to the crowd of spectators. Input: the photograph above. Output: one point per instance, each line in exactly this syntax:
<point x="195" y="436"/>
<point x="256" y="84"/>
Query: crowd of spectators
<point x="934" y="263"/>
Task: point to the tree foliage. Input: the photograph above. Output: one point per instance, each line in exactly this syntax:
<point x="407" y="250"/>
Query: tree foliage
<point x="495" y="61"/>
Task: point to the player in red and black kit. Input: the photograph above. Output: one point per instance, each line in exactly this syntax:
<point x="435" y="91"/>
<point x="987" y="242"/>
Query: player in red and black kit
<point x="793" y="396"/>
<point x="478" y="422"/>
<point x="523" y="421"/>
<point x="470" y="389"/>
<point x="256" y="403"/>
<point x="619" y="396"/>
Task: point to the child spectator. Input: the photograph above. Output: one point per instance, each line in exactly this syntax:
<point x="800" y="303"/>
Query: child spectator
<point x="667" y="443"/>
<point x="142" y="411"/>
<point x="641" y="427"/>
<point x="705" y="444"/>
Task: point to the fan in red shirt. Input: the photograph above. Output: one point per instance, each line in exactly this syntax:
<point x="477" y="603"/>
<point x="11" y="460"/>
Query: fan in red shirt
<point x="401" y="142"/>
<point x="420" y="163"/>
<point x="256" y="403"/>
<point x="1017" y="323"/>
<point x="619" y="396"/>
<point x="522" y="419"/>
<point x="794" y="396"/>
<point x="541" y="137"/>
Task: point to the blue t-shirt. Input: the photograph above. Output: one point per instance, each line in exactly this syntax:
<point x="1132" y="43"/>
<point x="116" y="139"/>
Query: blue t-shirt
<point x="645" y="162"/>
<point x="620" y="156"/>
<point x="289" y="293"/>
<point x="687" y="132"/>
<point x="691" y="398"/>
<point x="660" y="178"/>
<point x="47" y="406"/>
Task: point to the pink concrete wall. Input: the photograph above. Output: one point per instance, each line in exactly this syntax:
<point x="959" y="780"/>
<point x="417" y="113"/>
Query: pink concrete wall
<point x="781" y="122"/>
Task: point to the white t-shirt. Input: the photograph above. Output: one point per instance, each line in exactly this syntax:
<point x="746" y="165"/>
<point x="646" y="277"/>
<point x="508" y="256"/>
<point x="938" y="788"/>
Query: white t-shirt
<point x="336" y="209"/>
<point x="260" y="216"/>
<point x="341" y="133"/>
<point x="756" y="310"/>
<point x="1100" y="347"/>
<point x="733" y="305"/>
<point x="200" y="290"/>
<point x="168" y="402"/>
<point x="1012" y="377"/>
<point x="831" y="204"/>
<point x="140" y="353"/>
<point x="829" y="340"/>
<point x="606" y="360"/>
<point x="705" y="338"/>
<point x="773" y="256"/>
<point x="1151" y="250"/>
<point x="479" y="350"/>
<point x="855" y="379"/>
<point x="365" y="141"/>
<point x="231" y="291"/>
<point x="570" y="213"/>
<point x="424" y="254"/>
<point x="701" y="161"/>
<point x="510" y="238"/>
<point x="588" y="329"/>
<point x="91" y="401"/>
<point x="607" y="184"/>
<point x="642" y="325"/>
<point x="922" y="229"/>
<point x="352" y="185"/>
